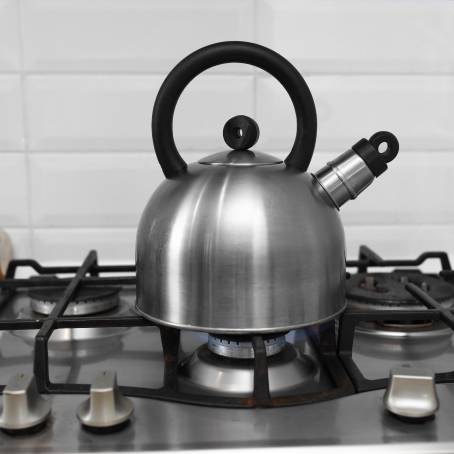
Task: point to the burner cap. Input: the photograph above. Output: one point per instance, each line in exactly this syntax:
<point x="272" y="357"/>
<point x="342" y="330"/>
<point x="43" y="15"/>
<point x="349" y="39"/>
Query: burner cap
<point x="241" y="346"/>
<point x="376" y="291"/>
<point x="87" y="300"/>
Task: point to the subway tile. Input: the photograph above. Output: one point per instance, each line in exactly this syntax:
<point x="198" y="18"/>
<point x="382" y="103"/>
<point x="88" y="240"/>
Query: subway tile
<point x="11" y="131"/>
<point x="114" y="112"/>
<point x="417" y="109"/>
<point x="9" y="35"/>
<point x="91" y="189"/>
<point x="82" y="189"/>
<point x="414" y="190"/>
<point x="13" y="196"/>
<point x="360" y="36"/>
<point x="402" y="241"/>
<point x="127" y="35"/>
<point x="21" y="241"/>
<point x="65" y="246"/>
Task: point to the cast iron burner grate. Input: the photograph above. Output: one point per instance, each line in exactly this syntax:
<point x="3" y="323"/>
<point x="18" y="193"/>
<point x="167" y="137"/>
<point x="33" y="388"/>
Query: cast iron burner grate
<point x="334" y="352"/>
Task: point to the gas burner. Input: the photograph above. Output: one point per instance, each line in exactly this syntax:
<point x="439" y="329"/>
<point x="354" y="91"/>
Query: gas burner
<point x="241" y="346"/>
<point x="287" y="369"/>
<point x="386" y="291"/>
<point x="414" y="330"/>
<point x="382" y="291"/>
<point x="86" y="301"/>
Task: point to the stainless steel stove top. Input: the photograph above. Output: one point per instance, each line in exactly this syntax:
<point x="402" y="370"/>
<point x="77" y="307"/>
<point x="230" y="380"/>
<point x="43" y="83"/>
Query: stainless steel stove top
<point x="135" y="353"/>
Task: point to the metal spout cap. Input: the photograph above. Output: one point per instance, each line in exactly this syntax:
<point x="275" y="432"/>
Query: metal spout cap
<point x="23" y="406"/>
<point x="106" y="407"/>
<point x="348" y="175"/>
<point x="411" y="393"/>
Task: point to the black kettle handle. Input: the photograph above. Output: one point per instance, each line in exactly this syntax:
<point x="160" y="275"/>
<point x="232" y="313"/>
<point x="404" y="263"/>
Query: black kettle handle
<point x="170" y="160"/>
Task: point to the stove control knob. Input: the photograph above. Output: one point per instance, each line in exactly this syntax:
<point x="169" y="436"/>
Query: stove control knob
<point x="23" y="407"/>
<point x="106" y="407"/>
<point x="411" y="393"/>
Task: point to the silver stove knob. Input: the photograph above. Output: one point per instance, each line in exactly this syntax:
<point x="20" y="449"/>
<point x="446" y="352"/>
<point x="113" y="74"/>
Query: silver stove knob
<point x="411" y="393"/>
<point x="23" y="406"/>
<point x="106" y="407"/>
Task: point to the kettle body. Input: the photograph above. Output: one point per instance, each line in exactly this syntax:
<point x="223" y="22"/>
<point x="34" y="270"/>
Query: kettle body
<point x="240" y="249"/>
<point x="242" y="242"/>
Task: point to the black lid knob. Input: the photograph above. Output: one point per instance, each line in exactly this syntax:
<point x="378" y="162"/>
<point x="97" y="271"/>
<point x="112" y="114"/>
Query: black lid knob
<point x="241" y="132"/>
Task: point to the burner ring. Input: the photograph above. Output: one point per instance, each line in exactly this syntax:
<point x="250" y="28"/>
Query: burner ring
<point x="382" y="291"/>
<point x="86" y="301"/>
<point x="241" y="346"/>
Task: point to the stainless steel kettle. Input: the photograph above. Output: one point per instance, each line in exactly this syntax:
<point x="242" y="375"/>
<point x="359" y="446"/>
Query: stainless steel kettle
<point x="242" y="242"/>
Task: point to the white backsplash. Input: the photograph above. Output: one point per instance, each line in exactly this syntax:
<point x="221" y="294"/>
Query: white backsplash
<point x="78" y="80"/>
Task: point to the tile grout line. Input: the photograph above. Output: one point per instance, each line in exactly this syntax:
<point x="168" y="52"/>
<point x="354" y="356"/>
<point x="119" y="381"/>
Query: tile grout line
<point x="116" y="73"/>
<point x="254" y="37"/>
<point x="310" y="73"/>
<point x="25" y="126"/>
<point x="444" y="225"/>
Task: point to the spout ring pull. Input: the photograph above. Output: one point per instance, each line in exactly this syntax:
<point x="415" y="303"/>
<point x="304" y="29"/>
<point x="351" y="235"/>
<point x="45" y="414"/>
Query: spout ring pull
<point x="168" y="156"/>
<point x="391" y="141"/>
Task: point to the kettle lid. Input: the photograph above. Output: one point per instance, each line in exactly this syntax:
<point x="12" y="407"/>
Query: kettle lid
<point x="241" y="133"/>
<point x="241" y="158"/>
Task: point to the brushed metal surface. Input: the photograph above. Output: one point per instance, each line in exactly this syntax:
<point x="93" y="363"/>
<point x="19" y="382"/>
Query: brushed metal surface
<point x="344" y="425"/>
<point x="411" y="393"/>
<point x="240" y="249"/>
<point x="106" y="406"/>
<point x="245" y="158"/>
<point x="344" y="178"/>
<point x="23" y="407"/>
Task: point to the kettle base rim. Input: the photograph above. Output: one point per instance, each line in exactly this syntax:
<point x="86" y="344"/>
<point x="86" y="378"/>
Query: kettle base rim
<point x="245" y="331"/>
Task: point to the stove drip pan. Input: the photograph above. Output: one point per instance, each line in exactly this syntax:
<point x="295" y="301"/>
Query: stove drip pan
<point x="223" y="375"/>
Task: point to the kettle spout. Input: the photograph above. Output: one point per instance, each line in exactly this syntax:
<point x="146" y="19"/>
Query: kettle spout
<point x="349" y="174"/>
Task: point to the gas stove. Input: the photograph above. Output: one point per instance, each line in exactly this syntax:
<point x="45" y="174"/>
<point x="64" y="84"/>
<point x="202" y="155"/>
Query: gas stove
<point x="82" y="371"/>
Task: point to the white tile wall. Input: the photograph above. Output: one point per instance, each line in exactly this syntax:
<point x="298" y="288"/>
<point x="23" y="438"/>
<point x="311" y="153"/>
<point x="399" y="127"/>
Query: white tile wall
<point x="11" y="117"/>
<point x="78" y="80"/>
<point x="85" y="190"/>
<point x="13" y="196"/>
<point x="72" y="245"/>
<point x="22" y="242"/>
<point x="112" y="112"/>
<point x="414" y="191"/>
<point x="401" y="240"/>
<point x="418" y="109"/>
<point x="366" y="36"/>
<point x="127" y="35"/>
<point x="10" y="56"/>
